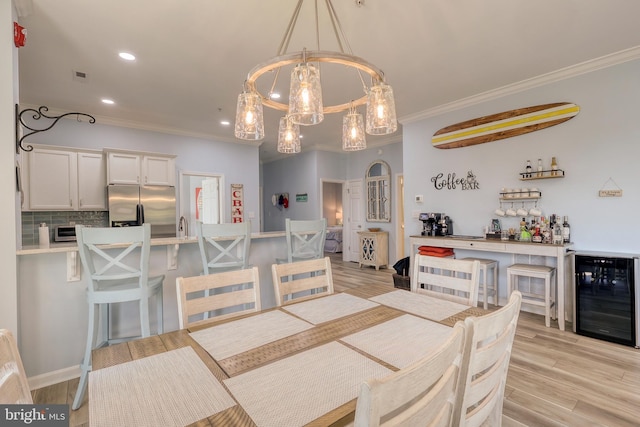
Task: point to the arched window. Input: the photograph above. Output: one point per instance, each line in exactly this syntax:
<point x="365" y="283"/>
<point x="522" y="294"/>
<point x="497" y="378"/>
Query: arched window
<point x="378" y="192"/>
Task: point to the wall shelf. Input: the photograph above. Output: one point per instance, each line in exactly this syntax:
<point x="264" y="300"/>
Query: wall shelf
<point x="526" y="176"/>
<point x="514" y="196"/>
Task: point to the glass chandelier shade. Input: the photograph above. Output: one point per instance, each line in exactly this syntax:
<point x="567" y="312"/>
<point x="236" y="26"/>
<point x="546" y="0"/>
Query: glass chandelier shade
<point x="249" y="117"/>
<point x="353" y="136"/>
<point x="305" y="95"/>
<point x="381" y="110"/>
<point x="288" y="136"/>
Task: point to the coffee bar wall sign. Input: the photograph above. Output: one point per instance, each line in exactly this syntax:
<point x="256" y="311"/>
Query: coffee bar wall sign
<point x="451" y="181"/>
<point x="237" y="203"/>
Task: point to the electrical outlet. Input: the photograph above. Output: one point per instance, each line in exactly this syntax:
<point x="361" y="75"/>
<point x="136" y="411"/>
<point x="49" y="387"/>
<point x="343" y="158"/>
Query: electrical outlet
<point x="419" y="198"/>
<point x="415" y="214"/>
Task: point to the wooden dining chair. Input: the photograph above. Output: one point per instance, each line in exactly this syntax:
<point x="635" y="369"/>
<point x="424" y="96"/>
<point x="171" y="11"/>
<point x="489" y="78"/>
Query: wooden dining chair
<point x="491" y="340"/>
<point x="302" y="280"/>
<point x="14" y="388"/>
<point x="231" y="293"/>
<point x="425" y="393"/>
<point x="224" y="247"/>
<point x="115" y="261"/>
<point x="305" y="239"/>
<point x="447" y="278"/>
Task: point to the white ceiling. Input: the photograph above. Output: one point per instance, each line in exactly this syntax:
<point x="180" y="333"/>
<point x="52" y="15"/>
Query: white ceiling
<point x="193" y="56"/>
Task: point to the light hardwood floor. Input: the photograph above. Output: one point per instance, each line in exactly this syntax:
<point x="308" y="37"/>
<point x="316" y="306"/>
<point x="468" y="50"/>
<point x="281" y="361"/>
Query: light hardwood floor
<point x="555" y="378"/>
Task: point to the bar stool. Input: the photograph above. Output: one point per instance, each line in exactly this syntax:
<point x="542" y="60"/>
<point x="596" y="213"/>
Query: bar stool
<point x="486" y="287"/>
<point x="115" y="274"/>
<point x="548" y="274"/>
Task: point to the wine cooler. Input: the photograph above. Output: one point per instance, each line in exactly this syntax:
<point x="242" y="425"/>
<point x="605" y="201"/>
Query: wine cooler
<point x="607" y="300"/>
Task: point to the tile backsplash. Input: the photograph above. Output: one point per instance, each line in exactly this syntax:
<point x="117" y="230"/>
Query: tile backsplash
<point x="31" y="222"/>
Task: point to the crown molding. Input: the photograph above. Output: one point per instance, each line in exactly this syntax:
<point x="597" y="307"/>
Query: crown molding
<point x="606" y="61"/>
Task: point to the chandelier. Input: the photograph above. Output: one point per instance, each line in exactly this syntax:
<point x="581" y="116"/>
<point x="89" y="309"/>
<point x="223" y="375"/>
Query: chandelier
<point x="305" y="106"/>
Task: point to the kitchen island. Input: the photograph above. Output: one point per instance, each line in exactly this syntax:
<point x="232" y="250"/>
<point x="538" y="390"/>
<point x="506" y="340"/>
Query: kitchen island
<point x="53" y="312"/>
<point x="559" y="256"/>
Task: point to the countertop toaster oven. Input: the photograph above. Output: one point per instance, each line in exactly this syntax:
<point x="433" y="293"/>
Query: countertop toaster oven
<point x="65" y="233"/>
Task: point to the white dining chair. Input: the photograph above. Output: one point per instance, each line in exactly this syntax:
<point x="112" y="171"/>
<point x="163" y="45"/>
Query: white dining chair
<point x="305" y="239"/>
<point x="485" y="378"/>
<point x="231" y="294"/>
<point x="224" y="247"/>
<point x="302" y="280"/>
<point x="423" y="394"/>
<point x="14" y="388"/>
<point x="115" y="262"/>
<point x="447" y="278"/>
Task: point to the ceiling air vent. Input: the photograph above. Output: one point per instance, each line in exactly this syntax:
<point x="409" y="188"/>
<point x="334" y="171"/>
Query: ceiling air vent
<point x="80" y="76"/>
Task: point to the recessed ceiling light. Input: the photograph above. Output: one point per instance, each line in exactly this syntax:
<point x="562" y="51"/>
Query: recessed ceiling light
<point x="108" y="101"/>
<point x="225" y="122"/>
<point x="127" y="56"/>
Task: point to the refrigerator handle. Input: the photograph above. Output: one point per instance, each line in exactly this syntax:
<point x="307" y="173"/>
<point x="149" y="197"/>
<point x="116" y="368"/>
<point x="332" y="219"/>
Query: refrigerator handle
<point x="139" y="214"/>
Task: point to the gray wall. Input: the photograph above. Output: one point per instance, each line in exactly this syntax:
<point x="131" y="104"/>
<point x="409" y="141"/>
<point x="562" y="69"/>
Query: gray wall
<point x="303" y="173"/>
<point x="600" y="143"/>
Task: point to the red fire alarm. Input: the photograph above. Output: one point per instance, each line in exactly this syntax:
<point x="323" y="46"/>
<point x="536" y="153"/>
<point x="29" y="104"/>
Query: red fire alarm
<point x="19" y="34"/>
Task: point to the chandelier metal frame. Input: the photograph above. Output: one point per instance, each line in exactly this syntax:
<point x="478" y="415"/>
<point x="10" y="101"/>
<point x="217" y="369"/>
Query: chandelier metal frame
<point x="313" y="56"/>
<point x="249" y="114"/>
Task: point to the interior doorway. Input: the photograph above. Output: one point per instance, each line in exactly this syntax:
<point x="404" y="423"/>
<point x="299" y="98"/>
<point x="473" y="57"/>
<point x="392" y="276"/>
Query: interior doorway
<point x="331" y="205"/>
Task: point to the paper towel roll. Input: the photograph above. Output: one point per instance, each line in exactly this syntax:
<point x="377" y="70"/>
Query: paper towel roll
<point x="43" y="234"/>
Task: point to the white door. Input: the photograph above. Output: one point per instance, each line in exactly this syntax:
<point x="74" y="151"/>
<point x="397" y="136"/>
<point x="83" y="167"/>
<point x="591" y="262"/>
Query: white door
<point x="354" y="220"/>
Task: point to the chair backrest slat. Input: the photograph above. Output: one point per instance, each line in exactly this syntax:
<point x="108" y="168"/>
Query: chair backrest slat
<point x="230" y="294"/>
<point x="14" y="388"/>
<point x="424" y="393"/>
<point x="448" y="278"/>
<point x="486" y="373"/>
<point x="305" y="238"/>
<point x="299" y="280"/>
<point x="224" y="246"/>
<point x="103" y="252"/>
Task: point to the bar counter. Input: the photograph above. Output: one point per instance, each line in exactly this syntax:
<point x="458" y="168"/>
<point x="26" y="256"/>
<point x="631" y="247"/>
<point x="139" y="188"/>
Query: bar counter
<point x="559" y="256"/>
<point x="53" y="308"/>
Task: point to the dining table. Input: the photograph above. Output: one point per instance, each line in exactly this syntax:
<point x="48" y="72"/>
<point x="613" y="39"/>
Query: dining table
<point x="297" y="365"/>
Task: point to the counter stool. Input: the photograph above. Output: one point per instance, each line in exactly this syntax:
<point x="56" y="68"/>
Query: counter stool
<point x="115" y="275"/>
<point x="485" y="287"/>
<point x="535" y="271"/>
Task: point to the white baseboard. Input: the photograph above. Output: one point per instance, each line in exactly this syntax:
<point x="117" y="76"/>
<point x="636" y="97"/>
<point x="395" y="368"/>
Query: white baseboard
<point x="50" y="378"/>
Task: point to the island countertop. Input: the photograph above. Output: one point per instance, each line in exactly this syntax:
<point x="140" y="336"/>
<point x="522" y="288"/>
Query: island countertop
<point x="164" y="241"/>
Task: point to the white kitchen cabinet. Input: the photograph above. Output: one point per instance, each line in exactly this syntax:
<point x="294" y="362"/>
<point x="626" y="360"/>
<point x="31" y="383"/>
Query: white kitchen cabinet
<point x="92" y="181"/>
<point x="140" y="168"/>
<point x="63" y="179"/>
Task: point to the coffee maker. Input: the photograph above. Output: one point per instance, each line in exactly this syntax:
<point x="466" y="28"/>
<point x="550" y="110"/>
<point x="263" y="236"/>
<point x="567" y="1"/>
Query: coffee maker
<point x="436" y="224"/>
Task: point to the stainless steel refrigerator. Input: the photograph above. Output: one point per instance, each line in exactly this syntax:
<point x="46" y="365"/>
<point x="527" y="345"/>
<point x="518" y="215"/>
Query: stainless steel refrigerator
<point x="131" y="205"/>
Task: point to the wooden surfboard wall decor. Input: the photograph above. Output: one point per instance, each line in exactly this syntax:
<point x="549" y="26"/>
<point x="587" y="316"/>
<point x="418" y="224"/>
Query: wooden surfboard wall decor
<point x="504" y="125"/>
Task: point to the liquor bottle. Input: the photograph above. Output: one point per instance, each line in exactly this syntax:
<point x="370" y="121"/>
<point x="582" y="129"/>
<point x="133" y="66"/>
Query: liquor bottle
<point x="537" y="234"/>
<point x="546" y="231"/>
<point x="566" y="230"/>
<point x="554" y="166"/>
<point x="539" y="168"/>
<point x="528" y="169"/>
<point x="557" y="232"/>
